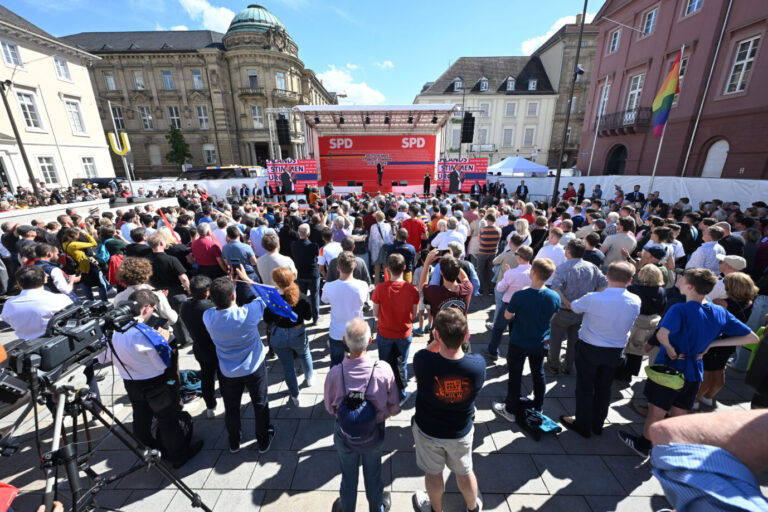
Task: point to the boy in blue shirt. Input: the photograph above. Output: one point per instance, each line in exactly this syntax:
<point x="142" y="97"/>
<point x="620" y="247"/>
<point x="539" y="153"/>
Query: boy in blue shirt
<point x="686" y="332"/>
<point x="532" y="308"/>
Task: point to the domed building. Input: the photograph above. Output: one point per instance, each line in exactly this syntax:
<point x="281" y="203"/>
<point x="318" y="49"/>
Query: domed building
<point x="220" y="90"/>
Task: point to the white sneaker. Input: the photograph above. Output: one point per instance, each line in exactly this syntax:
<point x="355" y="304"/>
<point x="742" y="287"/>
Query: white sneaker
<point x="479" y="504"/>
<point x="210" y="413"/>
<point x="500" y="408"/>
<point x="295" y="401"/>
<point x="309" y="381"/>
<point x="420" y="501"/>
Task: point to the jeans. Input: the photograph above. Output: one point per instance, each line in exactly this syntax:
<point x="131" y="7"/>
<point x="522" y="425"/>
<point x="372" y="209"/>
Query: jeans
<point x="564" y="324"/>
<point x="208" y="372"/>
<point x="500" y="324"/>
<point x="311" y="285"/>
<point x="497" y="295"/>
<point x="338" y="348"/>
<point x="349" y="462"/>
<point x="232" y="391"/>
<point x="595" y="367"/>
<point x="289" y="341"/>
<point x="516" y="357"/>
<point x="403" y="346"/>
<point x="485" y="272"/>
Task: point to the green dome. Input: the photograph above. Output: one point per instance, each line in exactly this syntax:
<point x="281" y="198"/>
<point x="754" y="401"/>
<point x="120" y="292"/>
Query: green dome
<point x="254" y="18"/>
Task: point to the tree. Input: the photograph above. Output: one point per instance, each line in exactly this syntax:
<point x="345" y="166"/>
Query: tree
<point x="179" y="153"/>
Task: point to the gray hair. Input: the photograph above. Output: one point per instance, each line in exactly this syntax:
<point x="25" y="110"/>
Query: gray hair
<point x="304" y="230"/>
<point x="339" y="222"/>
<point x="452" y="223"/>
<point x="203" y="229"/>
<point x="457" y="249"/>
<point x="357" y="334"/>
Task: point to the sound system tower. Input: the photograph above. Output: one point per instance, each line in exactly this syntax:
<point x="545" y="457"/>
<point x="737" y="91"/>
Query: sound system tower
<point x="283" y="131"/>
<point x="467" y="128"/>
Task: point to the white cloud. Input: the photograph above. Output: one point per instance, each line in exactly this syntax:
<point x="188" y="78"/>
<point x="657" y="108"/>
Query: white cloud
<point x="211" y="17"/>
<point x="387" y="64"/>
<point x="179" y="27"/>
<point x="345" y="15"/>
<point x="351" y="66"/>
<point x="529" y="45"/>
<point x="341" y="81"/>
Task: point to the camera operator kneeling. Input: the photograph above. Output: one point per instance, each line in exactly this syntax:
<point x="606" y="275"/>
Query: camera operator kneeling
<point x="143" y="359"/>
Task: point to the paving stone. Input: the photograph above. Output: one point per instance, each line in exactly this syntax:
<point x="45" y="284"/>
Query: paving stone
<point x="248" y="500"/>
<point x="509" y="438"/>
<point x="314" y="435"/>
<point x="626" y="504"/>
<point x="547" y="503"/>
<point x="274" y="470"/>
<point x="317" y="470"/>
<point x="577" y="475"/>
<point x="519" y="474"/>
<point x="606" y="444"/>
<point x="633" y="475"/>
<point x="195" y="472"/>
<point x="181" y="503"/>
<point x="289" y="411"/>
<point x="144" y="500"/>
<point x="232" y="470"/>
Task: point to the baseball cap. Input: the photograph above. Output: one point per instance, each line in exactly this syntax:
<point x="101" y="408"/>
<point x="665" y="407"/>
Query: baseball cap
<point x="735" y="262"/>
<point x="657" y="251"/>
<point x="24" y="229"/>
<point x="293" y="206"/>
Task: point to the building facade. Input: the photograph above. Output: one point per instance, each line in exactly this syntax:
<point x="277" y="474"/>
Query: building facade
<point x="51" y="100"/>
<point x="218" y="89"/>
<point x="558" y="56"/>
<point x="511" y="99"/>
<point x="717" y="125"/>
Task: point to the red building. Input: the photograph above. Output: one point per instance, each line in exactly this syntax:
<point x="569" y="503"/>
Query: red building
<point x="718" y="126"/>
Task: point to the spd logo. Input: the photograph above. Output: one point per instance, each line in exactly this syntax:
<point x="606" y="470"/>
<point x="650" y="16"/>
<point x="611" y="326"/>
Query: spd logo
<point x="340" y="143"/>
<point x="413" y="142"/>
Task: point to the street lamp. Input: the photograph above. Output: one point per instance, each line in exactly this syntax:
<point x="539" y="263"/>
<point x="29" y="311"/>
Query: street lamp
<point x="6" y="85"/>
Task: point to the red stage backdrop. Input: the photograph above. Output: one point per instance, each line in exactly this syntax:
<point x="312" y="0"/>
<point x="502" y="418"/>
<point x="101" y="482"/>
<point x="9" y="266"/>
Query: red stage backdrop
<point x="466" y="170"/>
<point x="354" y="157"/>
<point x="301" y="172"/>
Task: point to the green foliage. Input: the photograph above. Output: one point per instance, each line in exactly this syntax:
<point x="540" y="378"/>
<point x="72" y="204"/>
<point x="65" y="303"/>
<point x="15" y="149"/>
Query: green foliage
<point x="179" y="153"/>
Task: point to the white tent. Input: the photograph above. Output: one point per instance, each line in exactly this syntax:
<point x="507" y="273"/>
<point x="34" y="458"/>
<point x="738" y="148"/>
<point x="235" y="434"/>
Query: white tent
<point x="517" y="166"/>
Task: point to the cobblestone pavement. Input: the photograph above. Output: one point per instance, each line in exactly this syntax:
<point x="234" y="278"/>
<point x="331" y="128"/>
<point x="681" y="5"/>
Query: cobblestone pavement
<point x="300" y="472"/>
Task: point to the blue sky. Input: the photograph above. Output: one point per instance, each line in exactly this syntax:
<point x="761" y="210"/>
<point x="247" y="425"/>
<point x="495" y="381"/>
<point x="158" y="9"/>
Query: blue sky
<point x="377" y="52"/>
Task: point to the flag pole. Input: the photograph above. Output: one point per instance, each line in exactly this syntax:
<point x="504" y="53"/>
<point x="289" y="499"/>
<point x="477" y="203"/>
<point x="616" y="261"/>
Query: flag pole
<point x="597" y="125"/>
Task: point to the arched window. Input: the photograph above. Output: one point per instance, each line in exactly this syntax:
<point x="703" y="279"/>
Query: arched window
<point x="715" y="162"/>
<point x="510" y="84"/>
<point x="483" y="84"/>
<point x="458" y="84"/>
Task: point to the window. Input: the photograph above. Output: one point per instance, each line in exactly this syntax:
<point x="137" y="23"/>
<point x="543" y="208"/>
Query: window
<point x="117" y="115"/>
<point x="11" y="55"/>
<point x="530" y="136"/>
<point x="680" y="76"/>
<point x="89" y="167"/>
<point x="458" y="85"/>
<point x="47" y="169"/>
<point x="510" y="84"/>
<point x="692" y="6"/>
<point x="202" y="117"/>
<point x="168" y="81"/>
<point x="742" y="65"/>
<point x="209" y="154"/>
<point x="485" y="109"/>
<point x="635" y="90"/>
<point x="29" y="110"/>
<point x="483" y="84"/>
<point x="109" y="81"/>
<point x="482" y="135"/>
<point x="649" y="22"/>
<point x="532" y="85"/>
<point x="146" y="118"/>
<point x="257" y="115"/>
<point x="613" y="40"/>
<point x="280" y="81"/>
<point x="510" y="109"/>
<point x="138" y="80"/>
<point x="606" y="90"/>
<point x="533" y="109"/>
<point x="197" y="79"/>
<point x="568" y="135"/>
<point x="75" y="116"/>
<point x="155" y="158"/>
<point x="173" y="117"/>
<point x="508" y="137"/>
<point x="253" y="79"/>
<point x="62" y="68"/>
<point x="456" y="138"/>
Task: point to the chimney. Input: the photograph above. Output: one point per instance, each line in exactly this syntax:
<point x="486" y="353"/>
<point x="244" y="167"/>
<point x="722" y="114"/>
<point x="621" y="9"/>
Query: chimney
<point x="578" y="19"/>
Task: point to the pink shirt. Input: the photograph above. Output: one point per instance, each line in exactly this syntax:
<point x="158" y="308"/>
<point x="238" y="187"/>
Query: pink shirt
<point x="514" y="280"/>
<point x="381" y="393"/>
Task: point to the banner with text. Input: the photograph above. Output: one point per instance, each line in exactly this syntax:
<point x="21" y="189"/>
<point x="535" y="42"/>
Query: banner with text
<point x="291" y="174"/>
<point x="456" y="174"/>
<point x="356" y="157"/>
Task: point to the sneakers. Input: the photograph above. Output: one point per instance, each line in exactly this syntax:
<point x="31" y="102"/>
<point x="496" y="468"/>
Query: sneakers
<point x="271" y="436"/>
<point x="500" y="408"/>
<point x="418" y="332"/>
<point x="420" y="501"/>
<point x="295" y="401"/>
<point x="271" y="354"/>
<point x="309" y="381"/>
<point x="490" y="356"/>
<point x="210" y="413"/>
<point x="631" y="441"/>
<point x="404" y="400"/>
<point x="489" y="326"/>
<point x="235" y="447"/>
<point x="386" y="501"/>
<point x="551" y="369"/>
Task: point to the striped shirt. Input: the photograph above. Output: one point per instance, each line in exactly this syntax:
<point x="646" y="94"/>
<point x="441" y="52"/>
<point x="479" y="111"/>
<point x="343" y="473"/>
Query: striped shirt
<point x="489" y="240"/>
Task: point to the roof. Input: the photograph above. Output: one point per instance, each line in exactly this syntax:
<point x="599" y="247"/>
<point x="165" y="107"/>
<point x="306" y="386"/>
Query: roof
<point x="11" y="18"/>
<point x="398" y="117"/>
<point x="254" y="18"/>
<point x="568" y="28"/>
<point x="496" y="70"/>
<point x="145" y="41"/>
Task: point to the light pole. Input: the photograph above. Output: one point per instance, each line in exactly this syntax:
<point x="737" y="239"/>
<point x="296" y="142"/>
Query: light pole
<point x="6" y="85"/>
<point x="576" y="72"/>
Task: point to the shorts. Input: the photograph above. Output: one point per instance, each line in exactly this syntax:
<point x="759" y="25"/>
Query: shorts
<point x="665" y="398"/>
<point x="433" y="454"/>
<point x="716" y="358"/>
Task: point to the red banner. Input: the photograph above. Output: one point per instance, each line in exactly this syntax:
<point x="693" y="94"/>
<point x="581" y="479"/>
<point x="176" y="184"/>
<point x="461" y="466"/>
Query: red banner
<point x="293" y="173"/>
<point x="456" y="174"/>
<point x="356" y="157"/>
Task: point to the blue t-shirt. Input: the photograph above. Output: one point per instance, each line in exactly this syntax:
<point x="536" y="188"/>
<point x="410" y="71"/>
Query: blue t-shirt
<point x="692" y="328"/>
<point x="533" y="308"/>
<point x="238" y="251"/>
<point x="235" y="332"/>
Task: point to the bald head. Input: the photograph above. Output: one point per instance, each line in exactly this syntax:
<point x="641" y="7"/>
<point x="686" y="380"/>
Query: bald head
<point x="725" y="227"/>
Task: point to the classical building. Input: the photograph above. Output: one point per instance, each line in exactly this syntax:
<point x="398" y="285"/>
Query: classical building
<point x="558" y="56"/>
<point x="216" y="88"/>
<point x="717" y="125"/>
<point x="511" y="99"/>
<point x="51" y="100"/>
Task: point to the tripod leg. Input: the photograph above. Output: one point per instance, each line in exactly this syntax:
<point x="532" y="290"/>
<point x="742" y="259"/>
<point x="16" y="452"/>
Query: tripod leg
<point x="57" y="426"/>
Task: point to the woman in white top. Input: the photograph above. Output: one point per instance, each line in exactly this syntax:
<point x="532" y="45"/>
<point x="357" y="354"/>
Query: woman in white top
<point x="521" y="228"/>
<point x="135" y="274"/>
<point x="381" y="234"/>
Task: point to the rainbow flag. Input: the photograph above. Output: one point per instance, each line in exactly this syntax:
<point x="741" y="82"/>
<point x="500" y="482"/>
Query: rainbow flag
<point x="662" y="103"/>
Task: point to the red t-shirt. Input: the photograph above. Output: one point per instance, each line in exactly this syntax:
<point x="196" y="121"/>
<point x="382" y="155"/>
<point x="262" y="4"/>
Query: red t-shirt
<point x="396" y="300"/>
<point x="205" y="251"/>
<point x="530" y="218"/>
<point x="416" y="229"/>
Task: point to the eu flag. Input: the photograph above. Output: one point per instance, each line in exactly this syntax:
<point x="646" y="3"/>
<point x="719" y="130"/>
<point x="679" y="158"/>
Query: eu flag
<point x="274" y="301"/>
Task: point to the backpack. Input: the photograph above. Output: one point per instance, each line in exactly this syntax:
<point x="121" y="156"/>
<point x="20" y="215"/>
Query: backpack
<point x="114" y="263"/>
<point x="356" y="420"/>
<point x="102" y="254"/>
<point x="67" y="263"/>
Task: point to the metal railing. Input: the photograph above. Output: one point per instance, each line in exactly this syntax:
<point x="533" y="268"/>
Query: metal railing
<point x="635" y="118"/>
<point x="285" y="94"/>
<point x="251" y="91"/>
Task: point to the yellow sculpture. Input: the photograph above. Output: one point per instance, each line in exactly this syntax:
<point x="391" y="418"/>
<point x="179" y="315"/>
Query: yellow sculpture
<point x="122" y="147"/>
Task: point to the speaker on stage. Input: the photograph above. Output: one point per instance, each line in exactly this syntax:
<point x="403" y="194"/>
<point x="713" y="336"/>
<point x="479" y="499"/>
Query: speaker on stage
<point x="351" y="183"/>
<point x="403" y="183"/>
<point x="467" y="128"/>
<point x="283" y="131"/>
<point x="359" y="183"/>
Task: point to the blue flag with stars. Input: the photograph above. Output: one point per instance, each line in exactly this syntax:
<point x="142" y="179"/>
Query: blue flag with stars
<point x="274" y="301"/>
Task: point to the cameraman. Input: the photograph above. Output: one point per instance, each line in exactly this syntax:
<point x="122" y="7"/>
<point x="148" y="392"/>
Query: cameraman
<point x="144" y="362"/>
<point x="28" y="312"/>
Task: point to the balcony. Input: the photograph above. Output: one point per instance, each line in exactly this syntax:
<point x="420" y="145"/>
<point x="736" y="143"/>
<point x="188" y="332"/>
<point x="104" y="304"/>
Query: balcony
<point x="285" y="95"/>
<point x="625" y="122"/>
<point x="251" y="91"/>
<point x="483" y="148"/>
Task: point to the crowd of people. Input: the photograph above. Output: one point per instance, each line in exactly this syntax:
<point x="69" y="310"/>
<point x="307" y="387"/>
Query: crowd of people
<point x="591" y="286"/>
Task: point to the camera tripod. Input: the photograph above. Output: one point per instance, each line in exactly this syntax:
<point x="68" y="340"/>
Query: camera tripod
<point x="78" y="400"/>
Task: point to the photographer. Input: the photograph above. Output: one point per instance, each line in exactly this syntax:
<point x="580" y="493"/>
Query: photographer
<point x="143" y="358"/>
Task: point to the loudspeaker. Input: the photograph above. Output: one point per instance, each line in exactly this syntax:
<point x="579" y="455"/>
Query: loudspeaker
<point x="359" y="183"/>
<point x="283" y="131"/>
<point x="351" y="183"/>
<point x="403" y="183"/>
<point x="394" y="184"/>
<point x="468" y="128"/>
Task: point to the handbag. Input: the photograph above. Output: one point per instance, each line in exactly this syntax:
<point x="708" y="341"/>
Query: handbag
<point x="757" y="372"/>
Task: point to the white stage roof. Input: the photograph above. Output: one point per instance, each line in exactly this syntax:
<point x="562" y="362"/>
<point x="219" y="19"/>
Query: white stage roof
<point x="376" y="116"/>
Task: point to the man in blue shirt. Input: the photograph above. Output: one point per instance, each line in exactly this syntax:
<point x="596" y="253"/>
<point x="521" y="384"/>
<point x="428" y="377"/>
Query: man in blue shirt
<point x="235" y="332"/>
<point x="687" y="331"/>
<point x="238" y="253"/>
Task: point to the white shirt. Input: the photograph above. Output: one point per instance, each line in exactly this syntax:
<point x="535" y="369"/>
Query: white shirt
<point x="269" y="262"/>
<point x="163" y="310"/>
<point x="329" y="252"/>
<point x="442" y="240"/>
<point x="346" y="299"/>
<point x="125" y="230"/>
<point x="718" y="292"/>
<point x="608" y="316"/>
<point x="554" y="252"/>
<point x="28" y="313"/>
<point x="221" y="236"/>
<point x="514" y="280"/>
<point x="59" y="281"/>
<point x="137" y="354"/>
